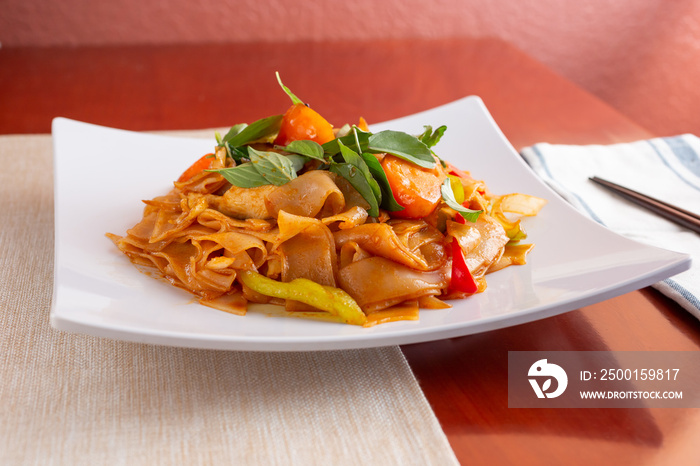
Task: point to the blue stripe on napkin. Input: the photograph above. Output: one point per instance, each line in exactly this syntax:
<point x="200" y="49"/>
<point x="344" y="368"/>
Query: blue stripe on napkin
<point x="685" y="153"/>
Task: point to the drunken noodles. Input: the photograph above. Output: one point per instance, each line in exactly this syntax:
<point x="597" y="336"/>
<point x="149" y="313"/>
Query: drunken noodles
<point x="344" y="224"/>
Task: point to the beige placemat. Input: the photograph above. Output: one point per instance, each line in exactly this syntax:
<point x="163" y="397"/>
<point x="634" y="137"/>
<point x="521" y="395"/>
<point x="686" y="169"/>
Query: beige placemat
<point x="69" y="399"/>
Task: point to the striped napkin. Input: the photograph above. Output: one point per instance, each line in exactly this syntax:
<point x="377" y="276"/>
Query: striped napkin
<point x="664" y="168"/>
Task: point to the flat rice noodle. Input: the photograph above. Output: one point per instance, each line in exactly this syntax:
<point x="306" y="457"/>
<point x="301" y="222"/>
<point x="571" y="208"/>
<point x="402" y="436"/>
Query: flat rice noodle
<point x="514" y="254"/>
<point x="351" y="218"/>
<point x="261" y="229"/>
<point x="181" y="270"/>
<point x="432" y="302"/>
<point x="171" y="201"/>
<point x="221" y="222"/>
<point x="236" y="243"/>
<point x="308" y="253"/>
<point x="234" y="303"/>
<point x="136" y="254"/>
<point x="202" y="183"/>
<point x="289" y="225"/>
<point x="140" y="250"/>
<point x="140" y="234"/>
<point x="144" y="229"/>
<point x="506" y="209"/>
<point x="222" y="262"/>
<point x="214" y="283"/>
<point x="424" y="238"/>
<point x="467" y="235"/>
<point x="522" y="204"/>
<point x="308" y="195"/>
<point x="212" y="255"/>
<point x="351" y="252"/>
<point x="178" y="256"/>
<point x="489" y="249"/>
<point x="166" y="223"/>
<point x="470" y="187"/>
<point x="473" y="196"/>
<point x="403" y="311"/>
<point x="273" y="266"/>
<point x="418" y="248"/>
<point x="377" y="283"/>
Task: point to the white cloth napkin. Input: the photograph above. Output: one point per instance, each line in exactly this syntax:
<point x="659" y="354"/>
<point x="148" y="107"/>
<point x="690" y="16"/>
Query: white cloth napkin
<point x="667" y="169"/>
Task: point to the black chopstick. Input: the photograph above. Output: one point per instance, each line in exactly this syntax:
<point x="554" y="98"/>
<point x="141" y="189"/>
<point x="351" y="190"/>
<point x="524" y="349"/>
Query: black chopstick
<point x="682" y="217"/>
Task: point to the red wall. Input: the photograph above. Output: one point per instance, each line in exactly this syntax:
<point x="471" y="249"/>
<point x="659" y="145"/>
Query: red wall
<point x="640" y="56"/>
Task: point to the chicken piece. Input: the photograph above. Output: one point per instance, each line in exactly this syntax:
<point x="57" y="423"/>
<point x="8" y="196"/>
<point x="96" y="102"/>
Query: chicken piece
<point x="243" y="203"/>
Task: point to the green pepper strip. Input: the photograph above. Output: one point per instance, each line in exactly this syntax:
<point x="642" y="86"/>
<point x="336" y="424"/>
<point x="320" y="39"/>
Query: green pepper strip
<point x="326" y="298"/>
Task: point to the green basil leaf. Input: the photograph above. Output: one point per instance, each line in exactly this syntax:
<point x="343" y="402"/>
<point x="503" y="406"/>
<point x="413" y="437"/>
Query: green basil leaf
<point x="449" y="197"/>
<point x="298" y="161"/>
<point x="235" y="129"/>
<point x="402" y="145"/>
<point x="276" y="168"/>
<point x="236" y="153"/>
<point x="344" y="130"/>
<point x="350" y="140"/>
<point x="353" y="158"/>
<point x="244" y="176"/>
<point x="430" y="137"/>
<point x="255" y="131"/>
<point x="310" y="149"/>
<point x="376" y="190"/>
<point x="359" y="182"/>
<point x="388" y="201"/>
<point x="295" y="99"/>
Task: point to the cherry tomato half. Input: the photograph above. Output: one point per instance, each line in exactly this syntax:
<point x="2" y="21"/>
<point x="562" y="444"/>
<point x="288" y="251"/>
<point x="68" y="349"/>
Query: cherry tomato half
<point x="301" y="122"/>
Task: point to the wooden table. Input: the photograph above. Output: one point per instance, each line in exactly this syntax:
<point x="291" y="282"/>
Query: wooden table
<point x="465" y="379"/>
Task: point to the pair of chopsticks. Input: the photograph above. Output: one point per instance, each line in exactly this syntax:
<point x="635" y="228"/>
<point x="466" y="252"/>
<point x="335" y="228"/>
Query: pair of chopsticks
<point x="682" y="217"/>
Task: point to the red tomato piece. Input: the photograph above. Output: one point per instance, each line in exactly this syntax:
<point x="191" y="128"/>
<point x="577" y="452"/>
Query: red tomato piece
<point x="303" y="123"/>
<point x="200" y="165"/>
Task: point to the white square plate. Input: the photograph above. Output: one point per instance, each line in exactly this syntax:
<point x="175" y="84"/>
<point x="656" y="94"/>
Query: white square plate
<point x="102" y="174"/>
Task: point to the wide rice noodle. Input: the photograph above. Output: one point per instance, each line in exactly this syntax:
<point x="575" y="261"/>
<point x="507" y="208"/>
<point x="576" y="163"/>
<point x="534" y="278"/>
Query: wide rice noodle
<point x="202" y="233"/>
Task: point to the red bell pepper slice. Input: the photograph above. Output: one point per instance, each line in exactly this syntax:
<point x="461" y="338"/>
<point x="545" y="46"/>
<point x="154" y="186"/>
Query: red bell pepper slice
<point x="462" y="279"/>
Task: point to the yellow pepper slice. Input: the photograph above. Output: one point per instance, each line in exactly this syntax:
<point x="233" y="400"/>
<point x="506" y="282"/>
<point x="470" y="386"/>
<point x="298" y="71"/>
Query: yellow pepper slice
<point x="457" y="188"/>
<point x="326" y="298"/>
